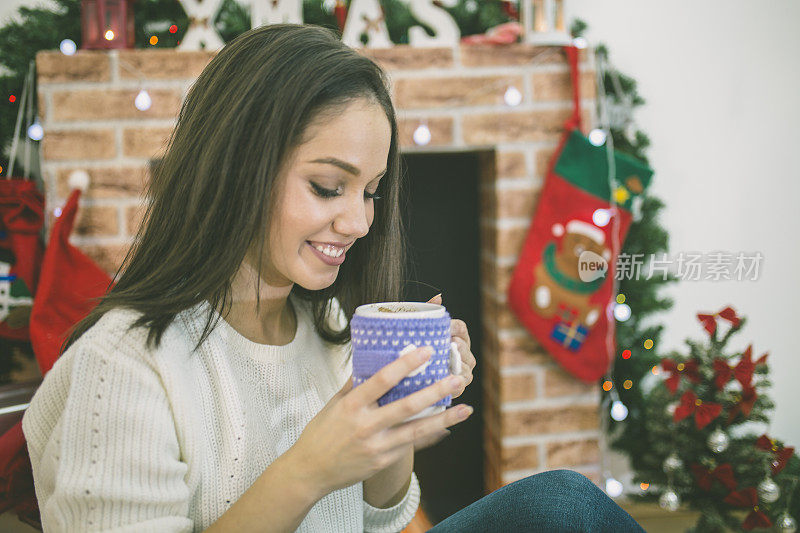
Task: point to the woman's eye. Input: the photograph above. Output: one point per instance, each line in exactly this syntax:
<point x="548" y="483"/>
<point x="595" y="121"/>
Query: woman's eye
<point x="328" y="193"/>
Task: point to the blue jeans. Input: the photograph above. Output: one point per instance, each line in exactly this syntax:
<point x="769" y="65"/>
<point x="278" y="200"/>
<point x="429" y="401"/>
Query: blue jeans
<point x="557" y="500"/>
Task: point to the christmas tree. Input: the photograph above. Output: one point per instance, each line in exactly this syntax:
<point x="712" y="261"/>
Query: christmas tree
<point x="698" y="446"/>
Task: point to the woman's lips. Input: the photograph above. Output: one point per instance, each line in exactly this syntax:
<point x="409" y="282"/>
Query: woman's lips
<point x="332" y="261"/>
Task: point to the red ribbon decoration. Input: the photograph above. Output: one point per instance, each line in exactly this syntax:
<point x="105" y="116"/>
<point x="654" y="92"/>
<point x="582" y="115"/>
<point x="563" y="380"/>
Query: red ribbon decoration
<point x="688" y="370"/>
<point x="748" y="498"/>
<point x="745" y="405"/>
<point x="710" y="321"/>
<point x="705" y="477"/>
<point x="722" y="373"/>
<point x="743" y="371"/>
<point x="704" y="412"/>
<point x="782" y="454"/>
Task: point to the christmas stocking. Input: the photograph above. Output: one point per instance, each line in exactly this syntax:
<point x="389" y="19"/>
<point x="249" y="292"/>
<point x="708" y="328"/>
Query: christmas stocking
<point x="562" y="286"/>
<point x="69" y="284"/>
<point x="21" y="249"/>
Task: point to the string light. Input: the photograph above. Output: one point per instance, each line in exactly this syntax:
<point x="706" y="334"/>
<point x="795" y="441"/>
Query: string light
<point x="67" y="47"/>
<point x="143" y="101"/>
<point x="648" y="344"/>
<point x="601" y="217"/>
<point x="622" y="312"/>
<point x="626" y="354"/>
<point x="153" y="40"/>
<point x="620" y="298"/>
<point x="597" y="137"/>
<point x="644" y="486"/>
<point x="35" y="130"/>
<point x="627" y="384"/>
<point x="12" y="98"/>
<point x="173" y="28"/>
<point x="607" y="385"/>
<point x="613" y="487"/>
<point x="422" y="135"/>
<point x="57" y="212"/>
<point x="618" y="411"/>
<point x="109" y="35"/>
<point x="655" y="370"/>
<point x="512" y="96"/>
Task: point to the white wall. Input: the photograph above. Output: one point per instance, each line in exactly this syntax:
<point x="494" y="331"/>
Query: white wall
<point x="722" y="84"/>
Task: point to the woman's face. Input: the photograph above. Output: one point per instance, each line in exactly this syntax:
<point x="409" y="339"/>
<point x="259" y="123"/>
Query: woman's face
<point x="357" y="139"/>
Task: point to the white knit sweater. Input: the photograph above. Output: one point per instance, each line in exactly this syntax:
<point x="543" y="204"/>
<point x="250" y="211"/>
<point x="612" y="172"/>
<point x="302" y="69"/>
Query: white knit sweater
<point x="126" y="439"/>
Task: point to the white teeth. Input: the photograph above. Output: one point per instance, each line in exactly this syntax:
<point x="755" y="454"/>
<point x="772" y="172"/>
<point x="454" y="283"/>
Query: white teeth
<point x="330" y="251"/>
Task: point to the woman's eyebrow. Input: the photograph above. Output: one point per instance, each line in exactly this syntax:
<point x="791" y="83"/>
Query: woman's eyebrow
<point x="344" y="165"/>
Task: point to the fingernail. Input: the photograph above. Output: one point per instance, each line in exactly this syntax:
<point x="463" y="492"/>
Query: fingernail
<point x="465" y="410"/>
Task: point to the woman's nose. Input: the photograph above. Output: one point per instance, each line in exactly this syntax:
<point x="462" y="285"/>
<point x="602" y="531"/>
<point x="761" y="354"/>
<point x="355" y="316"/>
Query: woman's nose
<point x="352" y="220"/>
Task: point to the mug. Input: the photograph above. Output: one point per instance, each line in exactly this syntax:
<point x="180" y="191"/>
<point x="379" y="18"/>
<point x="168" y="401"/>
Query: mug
<point x="382" y="332"/>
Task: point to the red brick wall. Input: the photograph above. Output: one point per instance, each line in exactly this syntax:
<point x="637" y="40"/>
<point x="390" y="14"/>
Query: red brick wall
<point x="536" y="416"/>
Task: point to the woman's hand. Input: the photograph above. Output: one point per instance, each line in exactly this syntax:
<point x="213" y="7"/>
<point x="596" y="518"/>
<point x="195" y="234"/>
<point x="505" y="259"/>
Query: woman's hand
<point x="352" y="437"/>
<point x="460" y="335"/>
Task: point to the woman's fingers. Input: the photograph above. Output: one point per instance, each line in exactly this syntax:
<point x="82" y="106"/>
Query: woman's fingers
<point x="390" y="375"/>
<point x="424" y="430"/>
<point x="398" y="411"/>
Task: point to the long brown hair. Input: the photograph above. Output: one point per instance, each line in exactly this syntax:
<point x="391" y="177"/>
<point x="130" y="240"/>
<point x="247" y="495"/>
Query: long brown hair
<point x="210" y="198"/>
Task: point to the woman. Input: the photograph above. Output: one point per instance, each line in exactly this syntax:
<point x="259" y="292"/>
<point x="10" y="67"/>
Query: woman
<point x="210" y="389"/>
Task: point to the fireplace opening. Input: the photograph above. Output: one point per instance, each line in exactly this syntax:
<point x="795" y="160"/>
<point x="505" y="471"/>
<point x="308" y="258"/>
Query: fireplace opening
<point x="441" y="209"/>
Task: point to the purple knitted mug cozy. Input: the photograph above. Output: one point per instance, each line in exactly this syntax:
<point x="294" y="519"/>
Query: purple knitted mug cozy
<point x="377" y="342"/>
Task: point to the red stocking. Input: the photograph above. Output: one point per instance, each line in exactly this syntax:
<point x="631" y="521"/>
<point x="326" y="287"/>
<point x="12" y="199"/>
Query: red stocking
<point x="21" y="249"/>
<point x="562" y="287"/>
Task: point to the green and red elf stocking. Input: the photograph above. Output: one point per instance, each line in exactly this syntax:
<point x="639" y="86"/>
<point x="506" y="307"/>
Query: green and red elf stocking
<point x="562" y="286"/>
<point x="21" y="251"/>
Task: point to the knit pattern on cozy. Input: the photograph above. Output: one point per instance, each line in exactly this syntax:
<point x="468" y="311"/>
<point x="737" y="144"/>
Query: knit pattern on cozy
<point x="379" y="341"/>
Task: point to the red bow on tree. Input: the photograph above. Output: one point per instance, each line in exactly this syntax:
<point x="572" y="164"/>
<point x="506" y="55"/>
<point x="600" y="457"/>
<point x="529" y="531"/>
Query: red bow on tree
<point x="704" y="412"/>
<point x="743" y="371"/>
<point x="705" y="477"/>
<point x="745" y="404"/>
<point x="748" y="498"/>
<point x="687" y="369"/>
<point x="782" y="455"/>
<point x="710" y="321"/>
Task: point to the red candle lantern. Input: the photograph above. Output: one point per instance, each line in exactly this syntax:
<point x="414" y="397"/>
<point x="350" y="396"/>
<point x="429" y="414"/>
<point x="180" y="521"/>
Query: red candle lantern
<point x="107" y="24"/>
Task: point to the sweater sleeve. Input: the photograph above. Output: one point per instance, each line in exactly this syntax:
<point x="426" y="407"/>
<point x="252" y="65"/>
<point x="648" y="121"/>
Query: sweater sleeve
<point x="393" y="519"/>
<point x="103" y="446"/>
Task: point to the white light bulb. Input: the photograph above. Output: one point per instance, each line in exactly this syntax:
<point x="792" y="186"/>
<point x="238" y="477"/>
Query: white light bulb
<point x="35" y="131"/>
<point x="513" y="97"/>
<point x="597" y="137"/>
<point x="57" y="212"/>
<point x="601" y="217"/>
<point x="579" y="42"/>
<point x="622" y="312"/>
<point x="618" y="411"/>
<point x="471" y="6"/>
<point x="422" y="135"/>
<point x="67" y="47"/>
<point x="613" y="487"/>
<point x="143" y="101"/>
<point x="109" y="35"/>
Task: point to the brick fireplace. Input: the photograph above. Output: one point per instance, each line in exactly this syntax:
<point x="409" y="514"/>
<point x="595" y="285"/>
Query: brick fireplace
<point x="535" y="416"/>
